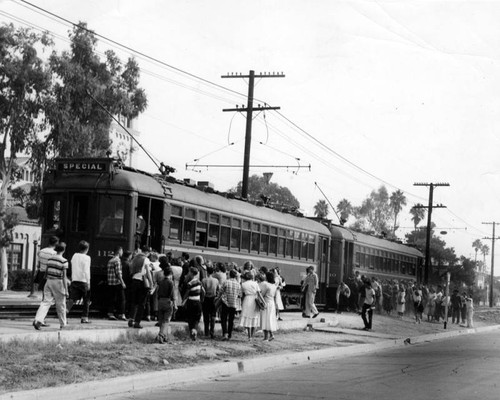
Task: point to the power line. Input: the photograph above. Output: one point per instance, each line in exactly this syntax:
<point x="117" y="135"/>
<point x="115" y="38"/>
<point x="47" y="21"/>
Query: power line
<point x="67" y="22"/>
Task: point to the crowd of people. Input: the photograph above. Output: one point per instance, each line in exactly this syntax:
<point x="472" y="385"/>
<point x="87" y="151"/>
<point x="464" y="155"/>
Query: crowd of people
<point x="145" y="285"/>
<point x="406" y="298"/>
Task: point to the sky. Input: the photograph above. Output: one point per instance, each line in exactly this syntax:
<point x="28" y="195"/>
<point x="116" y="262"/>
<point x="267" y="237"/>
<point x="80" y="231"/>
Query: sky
<point x="375" y="93"/>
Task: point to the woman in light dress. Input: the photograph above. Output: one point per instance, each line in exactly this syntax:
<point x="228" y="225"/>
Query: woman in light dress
<point x="250" y="314"/>
<point x="176" y="277"/>
<point x="280" y="284"/>
<point x="268" y="321"/>
<point x="400" y="307"/>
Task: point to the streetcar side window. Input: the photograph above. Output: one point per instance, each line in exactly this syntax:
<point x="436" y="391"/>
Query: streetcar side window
<point x="175" y="231"/>
<point x="296" y="245"/>
<point x="111" y="213"/>
<point x="79" y="213"/>
<point x="312" y="247"/>
<point x="213" y="231"/>
<point x="225" y="232"/>
<point x="202" y="229"/>
<point x="245" y="236"/>
<point x="255" y="237"/>
<point x="303" y="251"/>
<point x="281" y="242"/>
<point x="264" y="240"/>
<point x="236" y="234"/>
<point x="273" y="241"/>
<point x="289" y="244"/>
<point x="189" y="226"/>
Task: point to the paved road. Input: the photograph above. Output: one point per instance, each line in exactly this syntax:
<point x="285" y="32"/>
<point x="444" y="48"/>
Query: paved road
<point x="466" y="367"/>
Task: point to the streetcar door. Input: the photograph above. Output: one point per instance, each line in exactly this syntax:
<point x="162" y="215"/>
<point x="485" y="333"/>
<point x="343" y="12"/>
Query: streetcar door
<point x="79" y="221"/>
<point x="149" y="223"/>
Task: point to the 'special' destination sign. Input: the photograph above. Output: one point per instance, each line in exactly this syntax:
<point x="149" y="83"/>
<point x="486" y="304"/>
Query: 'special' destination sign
<point x="97" y="166"/>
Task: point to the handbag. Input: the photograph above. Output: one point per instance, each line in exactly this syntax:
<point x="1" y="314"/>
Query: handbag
<point x="260" y="302"/>
<point x="218" y="301"/>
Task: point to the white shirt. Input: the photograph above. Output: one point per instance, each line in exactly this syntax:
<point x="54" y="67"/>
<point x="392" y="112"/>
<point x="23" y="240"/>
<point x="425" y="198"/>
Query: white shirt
<point x="80" y="268"/>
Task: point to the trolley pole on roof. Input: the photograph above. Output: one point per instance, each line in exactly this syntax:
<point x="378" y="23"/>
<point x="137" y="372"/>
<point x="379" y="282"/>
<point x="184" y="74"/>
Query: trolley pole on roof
<point x="249" y="109"/>
<point x="493" y="238"/>
<point x="429" y="220"/>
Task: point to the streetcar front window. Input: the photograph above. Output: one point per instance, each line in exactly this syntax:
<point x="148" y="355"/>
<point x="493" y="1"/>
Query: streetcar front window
<point x="80" y="213"/>
<point x="111" y="214"/>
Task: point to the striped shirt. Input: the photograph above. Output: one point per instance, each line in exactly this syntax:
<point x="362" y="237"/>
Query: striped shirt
<point x="114" y="271"/>
<point x="43" y="257"/>
<point x="194" y="289"/>
<point x="56" y="267"/>
<point x="231" y="292"/>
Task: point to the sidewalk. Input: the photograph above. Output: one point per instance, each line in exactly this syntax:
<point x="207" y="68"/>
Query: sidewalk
<point x="103" y="330"/>
<point x="388" y="332"/>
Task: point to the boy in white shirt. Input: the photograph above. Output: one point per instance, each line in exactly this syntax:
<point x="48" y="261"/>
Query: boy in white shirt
<point x="80" y="280"/>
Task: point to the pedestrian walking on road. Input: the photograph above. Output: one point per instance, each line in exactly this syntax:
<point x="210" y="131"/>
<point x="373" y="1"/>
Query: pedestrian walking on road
<point x="211" y="286"/>
<point x="400" y="308"/>
<point x="116" y="287"/>
<point x="309" y="287"/>
<point x="166" y="302"/>
<point x="193" y="297"/>
<point x="80" y="281"/>
<point x="368" y="305"/>
<point x="268" y="320"/>
<point x="43" y="256"/>
<point x="230" y="294"/>
<point x="250" y="314"/>
<point x="469" y="303"/>
<point x="141" y="284"/>
<point x="56" y="288"/>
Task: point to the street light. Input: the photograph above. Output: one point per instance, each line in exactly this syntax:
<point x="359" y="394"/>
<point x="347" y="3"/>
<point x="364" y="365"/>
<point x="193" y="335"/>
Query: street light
<point x="33" y="270"/>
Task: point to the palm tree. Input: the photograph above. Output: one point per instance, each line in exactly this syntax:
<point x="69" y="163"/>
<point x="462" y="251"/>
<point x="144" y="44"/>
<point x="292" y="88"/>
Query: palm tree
<point x="418" y="214"/>
<point x="344" y="208"/>
<point x="397" y="201"/>
<point x="321" y="209"/>
<point x="485" y="250"/>
<point x="477" y="244"/>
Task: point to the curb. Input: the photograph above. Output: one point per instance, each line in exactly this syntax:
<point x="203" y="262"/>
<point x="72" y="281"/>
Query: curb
<point x="154" y="380"/>
<point x="110" y="334"/>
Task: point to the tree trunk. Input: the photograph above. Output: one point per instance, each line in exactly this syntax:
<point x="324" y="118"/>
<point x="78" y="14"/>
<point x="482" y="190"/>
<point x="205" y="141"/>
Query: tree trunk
<point x="4" y="274"/>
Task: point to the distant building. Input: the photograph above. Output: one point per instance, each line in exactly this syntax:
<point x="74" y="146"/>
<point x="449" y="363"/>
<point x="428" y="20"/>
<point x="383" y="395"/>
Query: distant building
<point x="25" y="237"/>
<point x="122" y="144"/>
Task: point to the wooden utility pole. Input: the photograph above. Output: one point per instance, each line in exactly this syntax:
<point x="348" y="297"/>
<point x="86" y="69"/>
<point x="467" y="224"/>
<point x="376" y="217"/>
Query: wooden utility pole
<point x="429" y="220"/>
<point x="493" y="238"/>
<point x="249" y="109"/>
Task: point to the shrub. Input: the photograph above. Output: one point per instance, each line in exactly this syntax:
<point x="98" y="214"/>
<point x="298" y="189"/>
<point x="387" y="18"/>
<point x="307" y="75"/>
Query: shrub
<point x="20" y="280"/>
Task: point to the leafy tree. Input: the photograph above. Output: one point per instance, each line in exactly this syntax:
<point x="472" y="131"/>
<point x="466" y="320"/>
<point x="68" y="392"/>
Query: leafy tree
<point x="444" y="258"/>
<point x="321" y="209"/>
<point x="418" y="214"/>
<point x="260" y="189"/>
<point x="374" y="213"/>
<point x="79" y="125"/>
<point x="397" y="201"/>
<point x="344" y="208"/>
<point x="25" y="83"/>
<point x="463" y="273"/>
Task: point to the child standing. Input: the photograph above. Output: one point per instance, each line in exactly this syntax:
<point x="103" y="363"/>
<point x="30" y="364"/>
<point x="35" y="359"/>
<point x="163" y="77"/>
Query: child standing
<point x="469" y="304"/>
